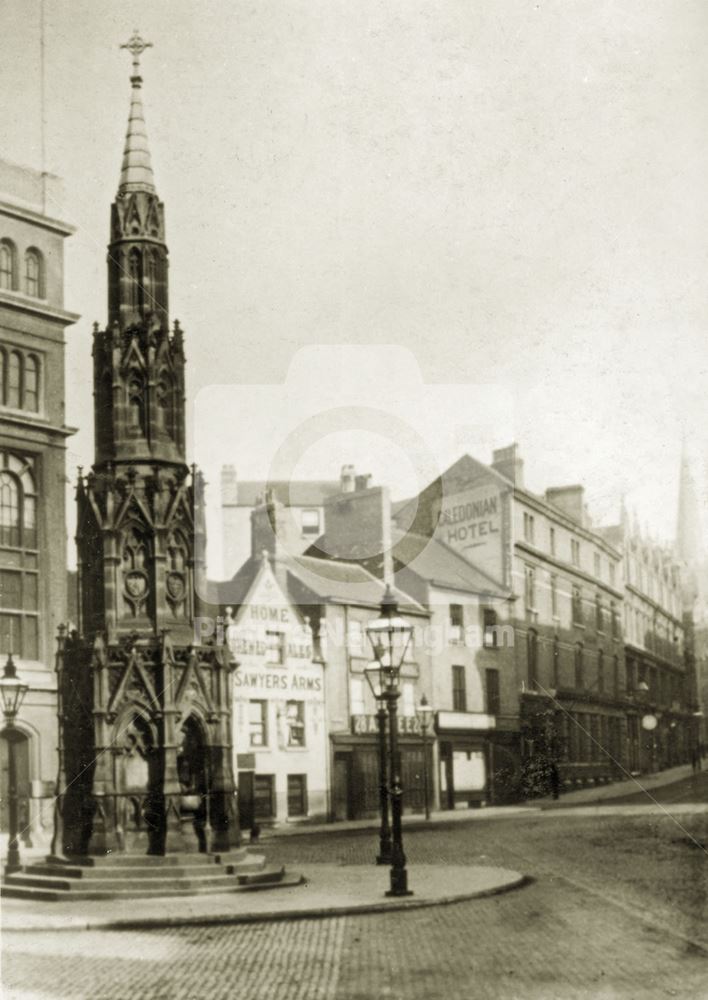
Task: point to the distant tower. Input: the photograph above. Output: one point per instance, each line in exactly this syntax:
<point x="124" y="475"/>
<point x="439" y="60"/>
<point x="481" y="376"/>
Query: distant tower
<point x="689" y="535"/>
<point x="145" y="711"/>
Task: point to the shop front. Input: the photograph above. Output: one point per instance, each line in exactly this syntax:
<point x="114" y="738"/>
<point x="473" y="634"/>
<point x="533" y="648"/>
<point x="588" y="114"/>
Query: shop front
<point x="355" y="767"/>
<point x="464" y="758"/>
<point x="280" y="732"/>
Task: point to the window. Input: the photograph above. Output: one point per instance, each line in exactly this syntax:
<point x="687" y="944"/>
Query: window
<point x="596" y="564"/>
<point x="355" y="633"/>
<point x="459" y="689"/>
<point x="297" y="795"/>
<point x="275" y="647"/>
<point x="614" y="620"/>
<point x="600" y="671"/>
<point x="532" y="658"/>
<point x="493" y="700"/>
<point x="258" y="723"/>
<point x="577" y="608"/>
<point x="310" y="522"/>
<point x="30" y="399"/>
<point x="489" y="623"/>
<point x="135" y="275"/>
<point x="615" y="675"/>
<point x="556" y="663"/>
<point x="263" y="796"/>
<point x="33" y="273"/>
<point x="575" y="551"/>
<point x="18" y="502"/>
<point x="552" y="541"/>
<point x="612" y="573"/>
<point x="457" y="622"/>
<point x="7" y="265"/>
<point x="599" y="617"/>
<point x="529" y="527"/>
<point x="579" y="666"/>
<point x="14" y="380"/>
<point x="356" y="695"/>
<point x="554" y="595"/>
<point x="530" y="588"/>
<point x="295" y="718"/>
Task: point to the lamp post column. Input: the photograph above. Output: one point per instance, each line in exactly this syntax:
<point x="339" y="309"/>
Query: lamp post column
<point x="424" y="727"/>
<point x="399" y="875"/>
<point x="13" y="847"/>
<point x="384" y="855"/>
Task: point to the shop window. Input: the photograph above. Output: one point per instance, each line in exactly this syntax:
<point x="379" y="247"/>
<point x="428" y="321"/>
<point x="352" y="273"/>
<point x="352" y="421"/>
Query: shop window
<point x="457" y="622"/>
<point x="310" y="522"/>
<point x="297" y="795"/>
<point x="263" y="796"/>
<point x="295" y="718"/>
<point x="532" y="658"/>
<point x="493" y="699"/>
<point x="258" y="723"/>
<point x="489" y="626"/>
<point x="459" y="689"/>
<point x="275" y="647"/>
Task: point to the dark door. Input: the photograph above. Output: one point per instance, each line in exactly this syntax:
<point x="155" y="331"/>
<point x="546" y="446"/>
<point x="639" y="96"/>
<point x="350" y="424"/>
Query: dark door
<point x="245" y="800"/>
<point x="341" y="798"/>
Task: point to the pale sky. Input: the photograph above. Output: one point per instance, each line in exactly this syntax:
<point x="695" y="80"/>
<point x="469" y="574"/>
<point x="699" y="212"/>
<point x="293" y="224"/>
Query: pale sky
<point x="512" y="192"/>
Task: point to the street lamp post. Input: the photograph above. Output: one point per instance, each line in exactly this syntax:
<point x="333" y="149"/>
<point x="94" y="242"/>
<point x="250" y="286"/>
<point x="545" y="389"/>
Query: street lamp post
<point x="372" y="673"/>
<point x="12" y="692"/>
<point x="389" y="636"/>
<point x="425" y="714"/>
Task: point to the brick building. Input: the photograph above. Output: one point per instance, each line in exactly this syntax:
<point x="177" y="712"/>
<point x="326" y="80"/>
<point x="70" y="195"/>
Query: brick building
<point x="33" y="592"/>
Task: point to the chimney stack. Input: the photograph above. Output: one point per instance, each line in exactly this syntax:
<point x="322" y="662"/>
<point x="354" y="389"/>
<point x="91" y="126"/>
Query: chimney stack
<point x="347" y="479"/>
<point x="508" y="463"/>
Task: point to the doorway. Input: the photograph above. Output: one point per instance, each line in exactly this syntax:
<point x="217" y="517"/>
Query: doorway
<point x="21" y="744"/>
<point x="342" y="791"/>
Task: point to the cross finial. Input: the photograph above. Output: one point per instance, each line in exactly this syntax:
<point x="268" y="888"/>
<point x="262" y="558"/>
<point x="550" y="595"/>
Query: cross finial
<point x="136" y="45"/>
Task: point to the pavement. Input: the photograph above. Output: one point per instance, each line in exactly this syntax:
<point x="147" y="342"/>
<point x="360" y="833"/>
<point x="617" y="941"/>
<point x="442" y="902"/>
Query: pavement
<point x="329" y="890"/>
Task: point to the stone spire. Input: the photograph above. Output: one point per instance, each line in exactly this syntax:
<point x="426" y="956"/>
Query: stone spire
<point x="689" y="540"/>
<point x="136" y="171"/>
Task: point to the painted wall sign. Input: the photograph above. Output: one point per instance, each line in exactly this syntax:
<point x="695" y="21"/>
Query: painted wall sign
<point x="365" y="725"/>
<point x="272" y="680"/>
<point x="472" y="522"/>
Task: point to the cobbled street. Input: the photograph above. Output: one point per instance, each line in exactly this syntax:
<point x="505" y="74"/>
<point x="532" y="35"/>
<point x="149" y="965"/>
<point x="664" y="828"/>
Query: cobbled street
<point x="617" y="909"/>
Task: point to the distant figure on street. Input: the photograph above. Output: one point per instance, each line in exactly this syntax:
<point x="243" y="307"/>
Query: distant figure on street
<point x="696" y="758"/>
<point x="555" y="780"/>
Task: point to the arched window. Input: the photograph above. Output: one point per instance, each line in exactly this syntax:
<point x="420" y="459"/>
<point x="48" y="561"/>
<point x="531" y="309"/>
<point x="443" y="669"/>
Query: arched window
<point x="33" y="273"/>
<point x="9" y="509"/>
<point x="136" y="404"/>
<point x="7" y="265"/>
<point x="152" y="272"/>
<point x="136" y="277"/>
<point x="30" y="400"/>
<point x="14" y="380"/>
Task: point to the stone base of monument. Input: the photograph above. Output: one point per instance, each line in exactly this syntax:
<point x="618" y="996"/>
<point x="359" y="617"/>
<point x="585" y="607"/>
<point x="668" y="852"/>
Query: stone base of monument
<point x="126" y="876"/>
